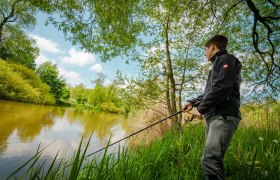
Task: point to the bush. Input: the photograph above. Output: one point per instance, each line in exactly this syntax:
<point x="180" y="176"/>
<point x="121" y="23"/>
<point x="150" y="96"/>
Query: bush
<point x="18" y="83"/>
<point x="110" y="107"/>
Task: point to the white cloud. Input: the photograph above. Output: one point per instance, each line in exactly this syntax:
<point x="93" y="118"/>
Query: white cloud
<point x="96" y="68"/>
<point x="79" y="58"/>
<point x="71" y="77"/>
<point x="42" y="59"/>
<point x="46" y="45"/>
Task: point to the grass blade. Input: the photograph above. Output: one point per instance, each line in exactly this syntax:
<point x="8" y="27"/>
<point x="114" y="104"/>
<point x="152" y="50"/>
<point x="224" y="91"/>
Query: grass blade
<point x="84" y="153"/>
<point x="22" y="166"/>
<point x="75" y="164"/>
<point x="52" y="165"/>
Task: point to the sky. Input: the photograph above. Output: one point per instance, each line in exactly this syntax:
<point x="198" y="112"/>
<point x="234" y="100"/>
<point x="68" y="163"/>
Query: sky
<point x="73" y="63"/>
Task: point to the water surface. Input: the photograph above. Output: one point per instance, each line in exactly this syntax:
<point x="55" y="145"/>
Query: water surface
<point x="24" y="126"/>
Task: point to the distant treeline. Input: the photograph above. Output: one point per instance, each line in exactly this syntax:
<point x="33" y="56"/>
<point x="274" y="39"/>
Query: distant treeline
<point x="44" y="86"/>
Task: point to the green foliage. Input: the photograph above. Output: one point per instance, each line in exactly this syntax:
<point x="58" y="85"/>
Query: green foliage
<point x="18" y="48"/>
<point x="78" y="94"/>
<point x="19" y="83"/>
<point x="138" y="93"/>
<point x="110" y="107"/>
<point x="18" y="12"/>
<point x="99" y="98"/>
<point x="66" y="93"/>
<point x="15" y="45"/>
<point x="49" y="74"/>
<point x="120" y="26"/>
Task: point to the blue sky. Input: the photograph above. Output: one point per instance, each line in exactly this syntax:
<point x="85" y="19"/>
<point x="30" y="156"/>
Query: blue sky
<point x="74" y="64"/>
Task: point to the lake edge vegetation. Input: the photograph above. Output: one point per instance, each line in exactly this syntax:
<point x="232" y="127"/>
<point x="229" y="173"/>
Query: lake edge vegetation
<point x="254" y="153"/>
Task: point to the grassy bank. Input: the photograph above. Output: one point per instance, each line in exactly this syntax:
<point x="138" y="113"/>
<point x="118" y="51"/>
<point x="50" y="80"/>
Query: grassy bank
<point x="254" y="153"/>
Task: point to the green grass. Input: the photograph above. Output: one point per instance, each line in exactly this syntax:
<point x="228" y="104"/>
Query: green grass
<point x="254" y="154"/>
<point x="176" y="156"/>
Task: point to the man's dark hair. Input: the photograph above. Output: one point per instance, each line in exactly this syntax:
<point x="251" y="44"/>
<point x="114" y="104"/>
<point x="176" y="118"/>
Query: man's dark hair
<point x="218" y="40"/>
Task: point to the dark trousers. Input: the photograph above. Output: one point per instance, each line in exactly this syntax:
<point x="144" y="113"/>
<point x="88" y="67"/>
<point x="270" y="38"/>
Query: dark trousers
<point x="218" y="132"/>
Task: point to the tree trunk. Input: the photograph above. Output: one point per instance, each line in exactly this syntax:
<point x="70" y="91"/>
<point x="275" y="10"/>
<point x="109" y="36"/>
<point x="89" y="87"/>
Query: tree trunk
<point x="170" y="75"/>
<point x="168" y="95"/>
<point x="182" y="83"/>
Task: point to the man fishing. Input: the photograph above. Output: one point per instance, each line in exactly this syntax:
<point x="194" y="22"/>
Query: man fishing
<point x="219" y="105"/>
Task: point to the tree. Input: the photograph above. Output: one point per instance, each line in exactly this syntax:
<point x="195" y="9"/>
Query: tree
<point x="16" y="16"/>
<point x="79" y="94"/>
<point x="66" y="93"/>
<point x="98" y="94"/>
<point x="15" y="45"/>
<point x="18" y="48"/>
<point x="16" y="12"/>
<point x="49" y="74"/>
<point x="99" y="81"/>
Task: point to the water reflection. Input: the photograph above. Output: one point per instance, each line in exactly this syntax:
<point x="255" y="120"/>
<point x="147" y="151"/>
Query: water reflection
<point x="25" y="119"/>
<point x="24" y="126"/>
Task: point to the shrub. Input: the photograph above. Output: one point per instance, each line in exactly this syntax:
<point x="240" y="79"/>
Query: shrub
<point x="18" y="83"/>
<point x="110" y="107"/>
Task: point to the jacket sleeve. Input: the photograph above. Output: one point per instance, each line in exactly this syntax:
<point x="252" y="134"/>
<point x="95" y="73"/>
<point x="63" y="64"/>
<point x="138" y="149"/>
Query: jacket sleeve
<point x="195" y="102"/>
<point x="222" y="84"/>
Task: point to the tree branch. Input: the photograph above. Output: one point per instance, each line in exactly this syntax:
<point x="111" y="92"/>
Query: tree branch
<point x="265" y="21"/>
<point x="6" y="19"/>
<point x="233" y="6"/>
<point x="214" y="13"/>
<point x="257" y="15"/>
<point x="272" y="17"/>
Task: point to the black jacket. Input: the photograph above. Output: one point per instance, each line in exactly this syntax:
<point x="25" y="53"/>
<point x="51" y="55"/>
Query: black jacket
<point x="221" y="95"/>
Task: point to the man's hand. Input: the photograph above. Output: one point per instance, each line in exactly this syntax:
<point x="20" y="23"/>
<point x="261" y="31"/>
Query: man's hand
<point x="187" y="107"/>
<point x="197" y="114"/>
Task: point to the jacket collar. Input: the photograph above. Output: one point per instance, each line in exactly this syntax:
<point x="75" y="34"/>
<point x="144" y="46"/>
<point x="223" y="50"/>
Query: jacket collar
<point x="218" y="54"/>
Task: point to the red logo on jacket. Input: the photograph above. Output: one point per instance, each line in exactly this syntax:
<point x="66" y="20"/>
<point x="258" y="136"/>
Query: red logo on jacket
<point x="225" y="66"/>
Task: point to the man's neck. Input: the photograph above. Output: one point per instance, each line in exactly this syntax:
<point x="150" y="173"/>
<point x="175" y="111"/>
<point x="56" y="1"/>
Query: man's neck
<point x="215" y="52"/>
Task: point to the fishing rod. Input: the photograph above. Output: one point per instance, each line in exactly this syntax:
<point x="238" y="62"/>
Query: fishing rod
<point x="194" y="104"/>
<point x="179" y="112"/>
<point x="127" y="137"/>
<point x="135" y="133"/>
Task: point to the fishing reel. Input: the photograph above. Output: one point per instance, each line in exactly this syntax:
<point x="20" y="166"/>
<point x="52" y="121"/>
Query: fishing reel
<point x="189" y="116"/>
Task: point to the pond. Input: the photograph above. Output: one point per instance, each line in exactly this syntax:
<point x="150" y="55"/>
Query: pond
<point x="24" y="126"/>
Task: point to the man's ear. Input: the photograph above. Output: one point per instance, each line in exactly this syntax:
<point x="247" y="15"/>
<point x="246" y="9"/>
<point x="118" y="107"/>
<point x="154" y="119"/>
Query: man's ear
<point x="215" y="48"/>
